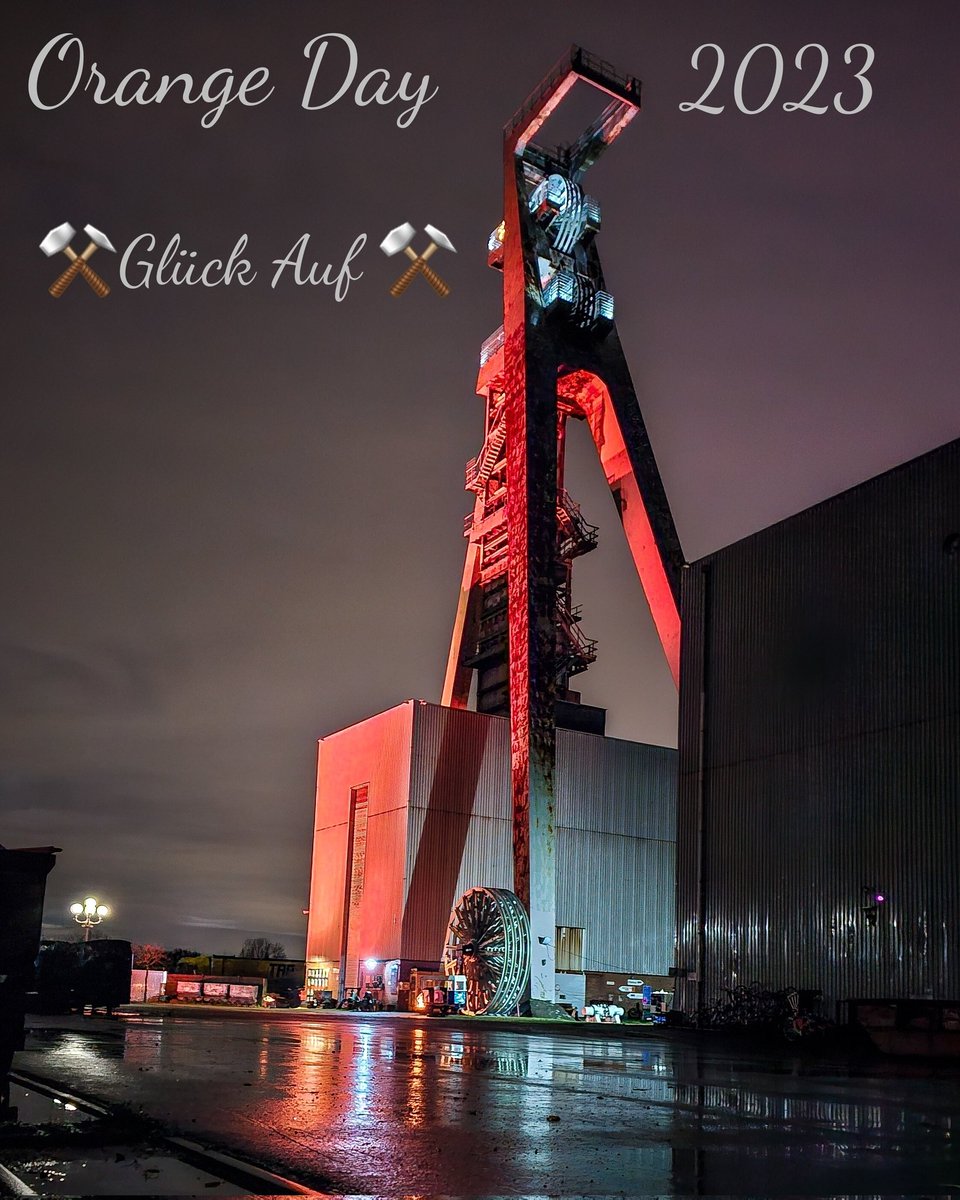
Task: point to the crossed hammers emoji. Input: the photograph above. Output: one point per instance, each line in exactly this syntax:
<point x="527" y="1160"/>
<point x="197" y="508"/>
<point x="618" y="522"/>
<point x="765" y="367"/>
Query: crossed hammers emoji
<point x="399" y="239"/>
<point x="60" y="239"/>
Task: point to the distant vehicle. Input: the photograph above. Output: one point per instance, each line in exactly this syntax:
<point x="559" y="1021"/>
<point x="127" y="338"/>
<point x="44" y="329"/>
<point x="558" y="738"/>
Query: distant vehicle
<point x="281" y="1000"/>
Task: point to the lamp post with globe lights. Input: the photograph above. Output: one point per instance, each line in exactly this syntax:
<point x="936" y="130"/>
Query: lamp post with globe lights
<point x="91" y="912"/>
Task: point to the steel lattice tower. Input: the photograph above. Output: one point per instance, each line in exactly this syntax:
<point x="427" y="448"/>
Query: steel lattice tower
<point x="556" y="357"/>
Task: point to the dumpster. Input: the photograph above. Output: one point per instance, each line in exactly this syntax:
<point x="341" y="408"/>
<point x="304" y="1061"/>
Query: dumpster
<point x="23" y="881"/>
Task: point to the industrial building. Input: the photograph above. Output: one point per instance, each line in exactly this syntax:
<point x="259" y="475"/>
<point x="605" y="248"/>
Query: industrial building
<point x="414" y="808"/>
<point x="818" y="837"/>
<point x="819" y="671"/>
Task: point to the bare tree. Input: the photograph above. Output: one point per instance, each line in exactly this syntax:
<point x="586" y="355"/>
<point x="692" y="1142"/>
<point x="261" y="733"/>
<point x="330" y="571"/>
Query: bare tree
<point x="262" y="948"/>
<point x="149" y="955"/>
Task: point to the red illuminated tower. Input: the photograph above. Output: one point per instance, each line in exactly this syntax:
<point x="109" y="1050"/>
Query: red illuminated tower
<point x="556" y="357"/>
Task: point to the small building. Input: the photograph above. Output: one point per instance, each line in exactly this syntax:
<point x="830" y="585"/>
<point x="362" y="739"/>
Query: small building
<point x="414" y="809"/>
<point x="281" y="975"/>
<point x="820" y="749"/>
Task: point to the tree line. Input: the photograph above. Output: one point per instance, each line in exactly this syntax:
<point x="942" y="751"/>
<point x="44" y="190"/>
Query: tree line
<point x="153" y="957"/>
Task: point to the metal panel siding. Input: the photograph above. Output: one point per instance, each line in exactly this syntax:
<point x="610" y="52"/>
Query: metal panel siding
<point x="374" y="922"/>
<point x="602" y="783"/>
<point x="616" y="830"/>
<point x="831" y="670"/>
<point x="463" y="737"/>
<point x="483" y="859"/>
<point x="689" y="842"/>
<point x="613" y="786"/>
<point x="620" y="891"/>
<point x="460" y="818"/>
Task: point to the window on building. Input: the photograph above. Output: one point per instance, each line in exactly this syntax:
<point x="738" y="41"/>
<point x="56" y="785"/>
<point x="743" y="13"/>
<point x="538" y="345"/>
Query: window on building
<point x="569" y="948"/>
<point x="358" y="854"/>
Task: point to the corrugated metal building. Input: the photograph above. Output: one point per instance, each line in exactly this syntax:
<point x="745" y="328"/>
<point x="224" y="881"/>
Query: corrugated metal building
<point x="413" y="809"/>
<point x="820" y="748"/>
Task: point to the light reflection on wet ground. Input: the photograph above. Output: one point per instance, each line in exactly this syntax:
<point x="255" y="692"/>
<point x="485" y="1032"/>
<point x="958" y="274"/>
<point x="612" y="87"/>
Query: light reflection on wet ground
<point x="378" y="1105"/>
<point x="34" y="1108"/>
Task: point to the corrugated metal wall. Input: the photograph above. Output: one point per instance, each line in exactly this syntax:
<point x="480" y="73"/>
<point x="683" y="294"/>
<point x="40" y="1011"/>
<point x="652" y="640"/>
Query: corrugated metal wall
<point x="824" y="654"/>
<point x="616" y="831"/>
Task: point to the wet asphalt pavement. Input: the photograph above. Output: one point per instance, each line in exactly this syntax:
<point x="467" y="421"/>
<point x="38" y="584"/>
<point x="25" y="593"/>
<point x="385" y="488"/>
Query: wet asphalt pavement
<point x="385" y="1105"/>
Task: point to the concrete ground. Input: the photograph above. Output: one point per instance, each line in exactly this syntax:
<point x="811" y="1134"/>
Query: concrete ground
<point x="383" y="1104"/>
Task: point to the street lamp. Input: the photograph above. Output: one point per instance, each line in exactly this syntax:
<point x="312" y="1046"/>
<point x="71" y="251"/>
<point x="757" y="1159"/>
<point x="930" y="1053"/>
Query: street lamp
<point x="88" y="914"/>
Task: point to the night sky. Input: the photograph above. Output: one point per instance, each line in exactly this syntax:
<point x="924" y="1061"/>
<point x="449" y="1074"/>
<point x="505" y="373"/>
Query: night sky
<point x="231" y="516"/>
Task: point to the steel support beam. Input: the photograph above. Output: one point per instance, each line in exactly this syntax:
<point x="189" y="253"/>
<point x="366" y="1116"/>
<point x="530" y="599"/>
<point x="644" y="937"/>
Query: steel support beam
<point x="603" y="392"/>
<point x="530" y="374"/>
<point x="456" y="680"/>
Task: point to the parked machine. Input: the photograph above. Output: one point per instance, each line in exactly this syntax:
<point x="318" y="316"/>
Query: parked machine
<point x="605" y="1014"/>
<point x="435" y="994"/>
<point x="23" y="879"/>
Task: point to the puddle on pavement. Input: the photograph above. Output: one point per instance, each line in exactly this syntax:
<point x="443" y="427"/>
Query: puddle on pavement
<point x="57" y="1168"/>
<point x="33" y="1108"/>
<point x="116" y="1171"/>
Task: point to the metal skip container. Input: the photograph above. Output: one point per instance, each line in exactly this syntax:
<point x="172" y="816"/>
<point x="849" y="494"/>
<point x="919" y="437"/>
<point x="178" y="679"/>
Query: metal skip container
<point x="23" y="881"/>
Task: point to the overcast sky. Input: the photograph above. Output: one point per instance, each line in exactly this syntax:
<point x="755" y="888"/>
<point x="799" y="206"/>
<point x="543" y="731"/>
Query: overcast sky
<point x="231" y="516"/>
